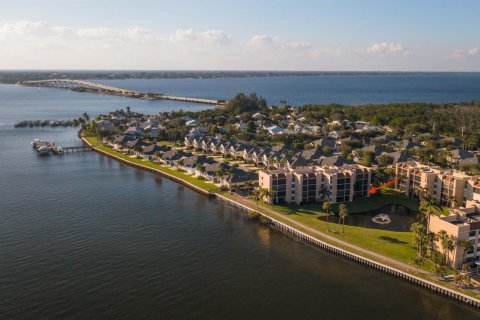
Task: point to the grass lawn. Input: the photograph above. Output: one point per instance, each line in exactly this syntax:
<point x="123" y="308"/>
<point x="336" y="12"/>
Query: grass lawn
<point x="392" y="244"/>
<point x="193" y="180"/>
<point x="386" y="197"/>
<point x="165" y="143"/>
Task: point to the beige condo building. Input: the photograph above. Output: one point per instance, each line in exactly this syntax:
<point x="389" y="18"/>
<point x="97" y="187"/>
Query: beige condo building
<point x="315" y="184"/>
<point x="450" y="188"/>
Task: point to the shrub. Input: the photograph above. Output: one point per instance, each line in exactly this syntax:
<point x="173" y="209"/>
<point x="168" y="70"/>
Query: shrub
<point x="253" y="215"/>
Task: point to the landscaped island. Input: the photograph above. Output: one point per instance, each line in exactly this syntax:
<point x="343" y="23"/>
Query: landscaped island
<point x="204" y="152"/>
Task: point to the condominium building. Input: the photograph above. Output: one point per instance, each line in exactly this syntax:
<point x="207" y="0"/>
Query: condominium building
<point x="314" y="184"/>
<point x="449" y="187"/>
<point x="461" y="224"/>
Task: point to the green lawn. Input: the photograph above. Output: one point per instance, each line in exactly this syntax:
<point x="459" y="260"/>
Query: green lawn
<point x="193" y="180"/>
<point x="393" y="244"/>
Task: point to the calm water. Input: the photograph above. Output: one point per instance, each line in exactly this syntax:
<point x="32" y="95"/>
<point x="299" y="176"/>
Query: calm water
<point x="343" y="89"/>
<point x="393" y="217"/>
<point x="85" y="237"/>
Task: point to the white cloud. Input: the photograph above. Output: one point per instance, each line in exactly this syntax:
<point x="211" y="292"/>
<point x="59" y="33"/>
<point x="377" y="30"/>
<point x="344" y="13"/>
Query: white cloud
<point x="327" y="52"/>
<point x="457" y="53"/>
<point x="183" y="35"/>
<point x="206" y="37"/>
<point x="215" y="36"/>
<point x="472" y="51"/>
<point x="97" y="33"/>
<point x="461" y="53"/>
<point x="31" y="28"/>
<point x="265" y="41"/>
<point x="384" y="48"/>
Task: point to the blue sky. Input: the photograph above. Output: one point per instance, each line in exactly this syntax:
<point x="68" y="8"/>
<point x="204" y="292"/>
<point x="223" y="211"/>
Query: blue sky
<point x="238" y="35"/>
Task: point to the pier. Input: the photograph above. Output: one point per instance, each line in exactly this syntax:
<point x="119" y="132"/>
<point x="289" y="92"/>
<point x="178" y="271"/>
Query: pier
<point x="46" y="148"/>
<point x="46" y="123"/>
<point x="93" y="87"/>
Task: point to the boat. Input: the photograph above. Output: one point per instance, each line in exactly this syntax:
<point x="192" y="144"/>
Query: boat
<point x="56" y="150"/>
<point x="43" y="151"/>
<point x="37" y="143"/>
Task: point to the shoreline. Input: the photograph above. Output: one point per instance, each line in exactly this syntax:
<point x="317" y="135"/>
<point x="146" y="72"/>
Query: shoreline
<point x="352" y="252"/>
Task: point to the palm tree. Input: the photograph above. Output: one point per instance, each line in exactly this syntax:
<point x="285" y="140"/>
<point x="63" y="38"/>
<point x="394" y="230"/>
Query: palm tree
<point x="220" y="172"/>
<point x="429" y="206"/>
<point x="457" y="277"/>
<point x="342" y="214"/>
<point x="421" y="192"/>
<point x="438" y="263"/>
<point x="233" y="188"/>
<point x="417" y="262"/>
<point x="452" y="201"/>
<point x="466" y="246"/>
<point x="432" y="237"/>
<point x="248" y="186"/>
<point x="450" y="244"/>
<point x="419" y="230"/>
<point x="326" y="207"/>
<point x="257" y="195"/>
<point x="442" y="236"/>
<point x="266" y="193"/>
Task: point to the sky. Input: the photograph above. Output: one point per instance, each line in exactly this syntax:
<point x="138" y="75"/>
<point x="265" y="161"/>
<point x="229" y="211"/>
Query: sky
<point x="316" y="35"/>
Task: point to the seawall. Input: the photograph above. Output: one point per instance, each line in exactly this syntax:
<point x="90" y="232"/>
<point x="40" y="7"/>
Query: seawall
<point x="290" y="231"/>
<point x="139" y="166"/>
<point x="297" y="234"/>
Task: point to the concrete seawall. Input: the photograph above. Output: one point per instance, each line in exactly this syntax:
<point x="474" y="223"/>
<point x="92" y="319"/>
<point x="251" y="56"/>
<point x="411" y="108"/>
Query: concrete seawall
<point x="290" y="231"/>
<point x="139" y="166"/>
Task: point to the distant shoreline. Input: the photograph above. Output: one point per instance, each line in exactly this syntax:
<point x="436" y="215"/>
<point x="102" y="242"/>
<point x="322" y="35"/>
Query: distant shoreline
<point x="14" y="76"/>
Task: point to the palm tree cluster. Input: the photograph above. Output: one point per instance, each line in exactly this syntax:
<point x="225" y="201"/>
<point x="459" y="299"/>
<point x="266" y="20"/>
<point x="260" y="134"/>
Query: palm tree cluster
<point x="425" y="240"/>
<point x="260" y="193"/>
<point x="426" y="249"/>
<point x="342" y="214"/>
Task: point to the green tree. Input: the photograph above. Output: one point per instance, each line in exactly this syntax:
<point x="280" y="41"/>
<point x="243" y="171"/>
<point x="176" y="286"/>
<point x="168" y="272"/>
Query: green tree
<point x="438" y="263"/>
<point x="418" y="262"/>
<point x="342" y="214"/>
<point x="257" y="196"/>
<point x="429" y="206"/>
<point x="419" y="237"/>
<point x="466" y="246"/>
<point x="326" y="207"/>
<point x="243" y="103"/>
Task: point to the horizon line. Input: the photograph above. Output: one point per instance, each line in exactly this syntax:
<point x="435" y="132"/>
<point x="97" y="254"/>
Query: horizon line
<point x="238" y="70"/>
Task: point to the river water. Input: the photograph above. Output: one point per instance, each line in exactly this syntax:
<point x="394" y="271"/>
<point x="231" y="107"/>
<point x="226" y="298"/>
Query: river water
<point x="83" y="237"/>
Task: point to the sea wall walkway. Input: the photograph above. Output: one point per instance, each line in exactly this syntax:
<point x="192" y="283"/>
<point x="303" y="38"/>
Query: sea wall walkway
<point x="290" y="230"/>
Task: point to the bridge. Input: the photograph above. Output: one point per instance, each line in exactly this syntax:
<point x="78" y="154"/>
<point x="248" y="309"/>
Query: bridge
<point x="106" y="89"/>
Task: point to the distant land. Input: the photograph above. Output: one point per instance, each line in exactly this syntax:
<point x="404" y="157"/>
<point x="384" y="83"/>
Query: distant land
<point x="14" y="76"/>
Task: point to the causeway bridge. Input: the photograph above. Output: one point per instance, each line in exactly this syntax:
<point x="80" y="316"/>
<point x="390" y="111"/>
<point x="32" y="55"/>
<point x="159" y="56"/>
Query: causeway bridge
<point x="88" y="86"/>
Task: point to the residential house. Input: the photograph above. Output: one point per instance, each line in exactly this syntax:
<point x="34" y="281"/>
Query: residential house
<point x="238" y="178"/>
<point x="150" y="151"/>
<point x="105" y="126"/>
<point x="455" y="156"/>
